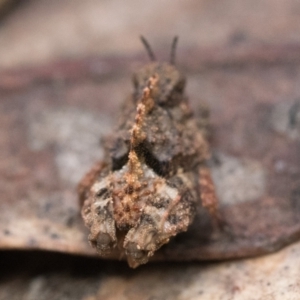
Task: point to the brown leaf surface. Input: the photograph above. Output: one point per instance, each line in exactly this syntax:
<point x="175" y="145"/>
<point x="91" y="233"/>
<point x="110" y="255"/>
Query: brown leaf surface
<point x="52" y="120"/>
<point x="241" y="57"/>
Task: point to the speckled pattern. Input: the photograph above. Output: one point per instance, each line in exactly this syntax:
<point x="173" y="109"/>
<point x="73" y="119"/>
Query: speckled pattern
<point x="242" y="58"/>
<point x="48" y="144"/>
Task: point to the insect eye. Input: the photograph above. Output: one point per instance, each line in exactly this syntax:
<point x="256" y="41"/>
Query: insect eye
<point x="180" y="86"/>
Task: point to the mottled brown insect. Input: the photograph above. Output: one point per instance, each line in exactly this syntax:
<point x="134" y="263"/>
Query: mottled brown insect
<point x="153" y="174"/>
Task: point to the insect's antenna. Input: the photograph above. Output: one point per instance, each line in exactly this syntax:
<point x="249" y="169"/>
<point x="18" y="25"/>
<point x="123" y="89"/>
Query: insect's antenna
<point x="148" y="48"/>
<point x="173" y="50"/>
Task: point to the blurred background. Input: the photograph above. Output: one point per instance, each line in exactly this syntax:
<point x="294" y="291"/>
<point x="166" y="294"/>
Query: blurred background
<point x="39" y="31"/>
<point x="65" y="67"/>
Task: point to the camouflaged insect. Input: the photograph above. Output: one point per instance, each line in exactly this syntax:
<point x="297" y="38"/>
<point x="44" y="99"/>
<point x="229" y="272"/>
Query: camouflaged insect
<point x="153" y="175"/>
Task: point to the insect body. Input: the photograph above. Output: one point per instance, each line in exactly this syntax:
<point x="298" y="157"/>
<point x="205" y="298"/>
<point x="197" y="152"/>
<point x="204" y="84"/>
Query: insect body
<point x="153" y="174"/>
